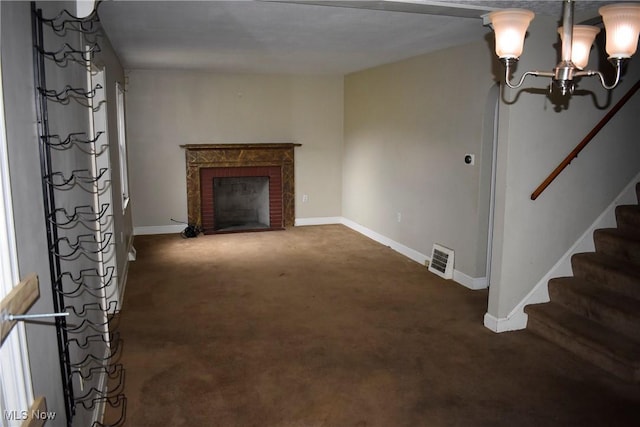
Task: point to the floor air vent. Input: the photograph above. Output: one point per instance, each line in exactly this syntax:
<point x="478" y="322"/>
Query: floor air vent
<point x="441" y="262"/>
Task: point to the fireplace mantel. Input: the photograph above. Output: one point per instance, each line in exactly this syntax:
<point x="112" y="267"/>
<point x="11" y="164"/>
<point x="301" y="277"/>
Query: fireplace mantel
<point x="207" y="156"/>
<point x="265" y="146"/>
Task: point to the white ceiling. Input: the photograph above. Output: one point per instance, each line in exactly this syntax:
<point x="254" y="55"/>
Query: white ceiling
<point x="304" y="37"/>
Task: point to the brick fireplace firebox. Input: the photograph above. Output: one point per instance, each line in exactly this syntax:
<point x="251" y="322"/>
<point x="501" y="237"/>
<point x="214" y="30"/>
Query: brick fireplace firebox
<point x="205" y="161"/>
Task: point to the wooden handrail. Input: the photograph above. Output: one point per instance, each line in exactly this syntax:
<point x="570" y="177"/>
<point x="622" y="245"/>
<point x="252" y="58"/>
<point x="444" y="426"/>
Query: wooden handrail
<point x="585" y="141"/>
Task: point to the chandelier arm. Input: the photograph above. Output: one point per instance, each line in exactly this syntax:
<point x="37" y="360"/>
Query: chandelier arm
<point x="589" y="73"/>
<point x="523" y="77"/>
<point x="618" y="64"/>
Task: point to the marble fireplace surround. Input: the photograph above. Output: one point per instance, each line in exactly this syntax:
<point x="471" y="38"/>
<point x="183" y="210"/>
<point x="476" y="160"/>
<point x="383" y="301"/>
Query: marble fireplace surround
<point x="201" y="158"/>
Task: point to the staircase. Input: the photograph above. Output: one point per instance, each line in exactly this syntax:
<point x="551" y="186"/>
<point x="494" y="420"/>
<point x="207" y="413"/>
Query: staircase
<point x="596" y="313"/>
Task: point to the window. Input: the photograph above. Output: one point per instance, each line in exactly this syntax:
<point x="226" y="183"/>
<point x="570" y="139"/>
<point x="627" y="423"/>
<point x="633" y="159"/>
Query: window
<point x="122" y="147"/>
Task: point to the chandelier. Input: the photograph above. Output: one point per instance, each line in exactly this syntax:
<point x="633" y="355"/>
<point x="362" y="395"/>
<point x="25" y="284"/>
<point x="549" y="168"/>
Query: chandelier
<point x="622" y="26"/>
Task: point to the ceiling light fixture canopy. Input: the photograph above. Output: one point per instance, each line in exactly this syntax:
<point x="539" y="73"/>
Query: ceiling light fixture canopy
<point x="622" y="26"/>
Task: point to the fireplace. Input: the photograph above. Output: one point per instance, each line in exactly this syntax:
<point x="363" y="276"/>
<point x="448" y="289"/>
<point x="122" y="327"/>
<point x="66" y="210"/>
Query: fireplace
<point x="240" y="187"/>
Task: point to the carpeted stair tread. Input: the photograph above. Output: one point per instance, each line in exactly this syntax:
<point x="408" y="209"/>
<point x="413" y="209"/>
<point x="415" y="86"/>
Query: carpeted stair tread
<point x="619" y="274"/>
<point x="598" y="303"/>
<point x="628" y="217"/>
<point x="596" y="313"/>
<point x="617" y="243"/>
<point x="586" y="338"/>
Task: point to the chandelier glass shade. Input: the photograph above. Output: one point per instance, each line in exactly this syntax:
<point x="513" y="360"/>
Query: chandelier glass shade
<point x="510" y="27"/>
<point x="583" y="38"/>
<point x="622" y="22"/>
<point x="622" y="27"/>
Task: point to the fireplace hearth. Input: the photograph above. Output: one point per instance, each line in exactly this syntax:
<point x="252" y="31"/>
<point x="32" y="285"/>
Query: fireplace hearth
<point x="234" y="171"/>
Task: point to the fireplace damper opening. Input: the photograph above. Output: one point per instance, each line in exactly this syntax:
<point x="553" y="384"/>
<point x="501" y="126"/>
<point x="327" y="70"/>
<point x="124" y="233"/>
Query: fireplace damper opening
<point x="241" y="203"/>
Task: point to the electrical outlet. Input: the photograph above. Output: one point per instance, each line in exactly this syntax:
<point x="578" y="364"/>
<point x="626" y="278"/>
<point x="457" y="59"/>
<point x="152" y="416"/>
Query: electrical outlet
<point x="399" y="216"/>
<point x="305" y="198"/>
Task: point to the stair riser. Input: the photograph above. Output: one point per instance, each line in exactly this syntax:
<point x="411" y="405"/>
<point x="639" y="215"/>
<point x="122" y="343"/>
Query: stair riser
<point x="628" y="218"/>
<point x="595" y="310"/>
<point x="619" y="281"/>
<point x="618" y="247"/>
<point x="581" y="349"/>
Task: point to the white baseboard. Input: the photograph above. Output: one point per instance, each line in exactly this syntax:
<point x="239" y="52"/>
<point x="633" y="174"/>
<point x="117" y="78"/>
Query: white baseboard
<point x="158" y="229"/>
<point x="326" y="220"/>
<point x="420" y="258"/>
<point x="516" y="322"/>
<point x="474" y="283"/>
<point x="122" y="284"/>
<point x="174" y="229"/>
<point x="517" y="318"/>
<point x="122" y="280"/>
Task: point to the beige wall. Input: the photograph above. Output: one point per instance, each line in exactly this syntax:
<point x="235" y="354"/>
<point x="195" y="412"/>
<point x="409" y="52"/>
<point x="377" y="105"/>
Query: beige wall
<point x="408" y="126"/>
<point x="166" y="109"/>
<point x="534" y="137"/>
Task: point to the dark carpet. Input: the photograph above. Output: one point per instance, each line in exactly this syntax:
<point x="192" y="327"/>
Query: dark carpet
<point x="321" y="326"/>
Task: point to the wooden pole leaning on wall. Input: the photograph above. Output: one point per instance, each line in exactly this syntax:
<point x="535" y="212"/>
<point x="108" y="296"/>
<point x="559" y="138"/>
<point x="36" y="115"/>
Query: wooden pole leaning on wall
<point x="37" y="415"/>
<point x="17" y="302"/>
<point x="574" y="153"/>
